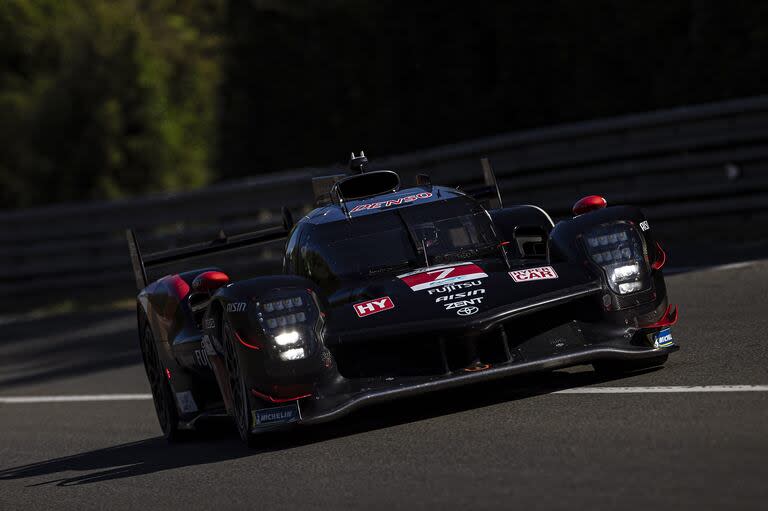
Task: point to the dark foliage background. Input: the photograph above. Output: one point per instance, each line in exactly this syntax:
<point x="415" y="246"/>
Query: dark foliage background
<point x="103" y="99"/>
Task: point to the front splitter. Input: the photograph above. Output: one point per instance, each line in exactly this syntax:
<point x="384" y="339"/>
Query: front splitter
<point x="325" y="407"/>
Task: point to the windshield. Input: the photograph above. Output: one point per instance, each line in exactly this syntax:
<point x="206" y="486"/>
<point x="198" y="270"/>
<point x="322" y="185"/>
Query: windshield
<point x="455" y="239"/>
<point x="413" y="245"/>
<point x="370" y="254"/>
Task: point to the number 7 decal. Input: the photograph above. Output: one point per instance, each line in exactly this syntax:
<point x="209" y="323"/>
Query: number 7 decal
<point x="429" y="278"/>
<point x="441" y="273"/>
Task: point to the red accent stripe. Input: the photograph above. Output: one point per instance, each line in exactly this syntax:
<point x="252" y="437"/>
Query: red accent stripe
<point x="661" y="258"/>
<point x="252" y="346"/>
<point x="267" y="397"/>
<point x="668" y="319"/>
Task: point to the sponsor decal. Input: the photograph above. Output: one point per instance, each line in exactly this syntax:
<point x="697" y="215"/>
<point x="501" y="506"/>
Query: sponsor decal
<point x="463" y="303"/>
<point x="559" y="344"/>
<point x="276" y="415"/>
<point x="374" y="306"/>
<point x="392" y="202"/>
<point x="186" y="402"/>
<point x="463" y="294"/>
<point x="467" y="311"/>
<point x="476" y="368"/>
<point x="210" y="323"/>
<point x="454" y="287"/>
<point x="528" y="274"/>
<point x="236" y="307"/>
<point x="662" y="338"/>
<point x="442" y="275"/>
<point x="644" y="225"/>
<point x="201" y="358"/>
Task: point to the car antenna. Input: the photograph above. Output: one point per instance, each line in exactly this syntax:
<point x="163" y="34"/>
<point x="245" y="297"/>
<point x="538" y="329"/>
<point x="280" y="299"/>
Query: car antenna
<point x="358" y="164"/>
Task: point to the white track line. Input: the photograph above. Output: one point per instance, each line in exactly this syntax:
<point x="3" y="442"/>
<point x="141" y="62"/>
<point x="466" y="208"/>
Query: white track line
<point x="74" y="399"/>
<point x="677" y="389"/>
<point x="664" y="390"/>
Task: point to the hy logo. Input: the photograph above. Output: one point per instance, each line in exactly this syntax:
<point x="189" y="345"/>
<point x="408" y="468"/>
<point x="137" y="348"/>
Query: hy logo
<point x="374" y="306"/>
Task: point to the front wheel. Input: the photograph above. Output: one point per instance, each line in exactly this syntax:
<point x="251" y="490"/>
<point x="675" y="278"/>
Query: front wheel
<point x="241" y="404"/>
<point x="162" y="394"/>
<point x="628" y="366"/>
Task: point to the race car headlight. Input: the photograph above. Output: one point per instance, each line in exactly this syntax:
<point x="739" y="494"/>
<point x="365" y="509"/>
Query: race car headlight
<point x="293" y="354"/>
<point x="290" y="345"/>
<point x="288" y="338"/>
<point x="618" y="249"/>
<point x="293" y="322"/>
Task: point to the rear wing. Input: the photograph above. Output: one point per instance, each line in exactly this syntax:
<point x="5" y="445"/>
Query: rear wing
<point x="141" y="263"/>
<point x="490" y="189"/>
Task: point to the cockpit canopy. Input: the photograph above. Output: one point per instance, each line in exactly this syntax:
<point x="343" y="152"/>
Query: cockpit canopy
<point x="391" y="241"/>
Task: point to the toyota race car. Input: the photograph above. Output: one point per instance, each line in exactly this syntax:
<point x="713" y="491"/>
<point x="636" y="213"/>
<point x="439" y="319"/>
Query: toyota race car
<point x="388" y="291"/>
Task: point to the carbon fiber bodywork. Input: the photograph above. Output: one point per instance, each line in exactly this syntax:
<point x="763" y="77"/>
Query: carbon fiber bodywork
<point x="312" y="344"/>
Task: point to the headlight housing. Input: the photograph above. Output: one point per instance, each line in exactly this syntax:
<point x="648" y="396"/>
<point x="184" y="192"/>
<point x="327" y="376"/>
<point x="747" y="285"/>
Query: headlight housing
<point x="619" y="250"/>
<point x="291" y="319"/>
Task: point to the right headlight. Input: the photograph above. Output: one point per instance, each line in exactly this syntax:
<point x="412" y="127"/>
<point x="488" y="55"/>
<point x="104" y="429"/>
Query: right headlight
<point x="619" y="250"/>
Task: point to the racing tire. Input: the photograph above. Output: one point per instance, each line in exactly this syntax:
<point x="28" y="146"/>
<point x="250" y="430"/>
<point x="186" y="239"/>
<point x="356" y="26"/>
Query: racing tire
<point x="629" y="366"/>
<point x="241" y="404"/>
<point x="162" y="394"/>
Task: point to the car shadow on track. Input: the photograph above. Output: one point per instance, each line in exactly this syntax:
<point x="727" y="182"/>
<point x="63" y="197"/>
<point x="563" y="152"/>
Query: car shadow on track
<point x="218" y="441"/>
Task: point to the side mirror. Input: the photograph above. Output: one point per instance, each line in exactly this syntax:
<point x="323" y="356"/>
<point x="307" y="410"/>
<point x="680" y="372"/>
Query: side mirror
<point x="531" y="241"/>
<point x="209" y="282"/>
<point x="588" y="203"/>
<point x="423" y="180"/>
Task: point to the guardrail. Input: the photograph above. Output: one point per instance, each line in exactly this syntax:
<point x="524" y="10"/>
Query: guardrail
<point x="694" y="170"/>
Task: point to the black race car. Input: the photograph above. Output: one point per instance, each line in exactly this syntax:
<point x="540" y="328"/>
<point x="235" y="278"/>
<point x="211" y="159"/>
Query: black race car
<point x="389" y="291"/>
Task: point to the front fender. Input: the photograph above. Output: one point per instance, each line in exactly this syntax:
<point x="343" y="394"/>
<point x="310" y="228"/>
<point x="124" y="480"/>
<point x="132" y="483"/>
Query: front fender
<point x="566" y="243"/>
<point x="242" y="305"/>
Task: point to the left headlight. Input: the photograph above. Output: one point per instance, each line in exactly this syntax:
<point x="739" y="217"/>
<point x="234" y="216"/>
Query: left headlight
<point x="618" y="249"/>
<point x="293" y="321"/>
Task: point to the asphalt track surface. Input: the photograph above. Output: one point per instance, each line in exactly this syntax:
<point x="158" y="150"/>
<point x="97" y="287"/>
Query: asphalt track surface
<point x="510" y="444"/>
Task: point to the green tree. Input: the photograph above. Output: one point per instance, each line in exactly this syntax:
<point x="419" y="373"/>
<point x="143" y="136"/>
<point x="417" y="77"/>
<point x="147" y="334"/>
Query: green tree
<point x="102" y="99"/>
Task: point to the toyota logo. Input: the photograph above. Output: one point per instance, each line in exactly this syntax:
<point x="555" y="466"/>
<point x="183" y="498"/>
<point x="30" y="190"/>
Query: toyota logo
<point x="467" y="311"/>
